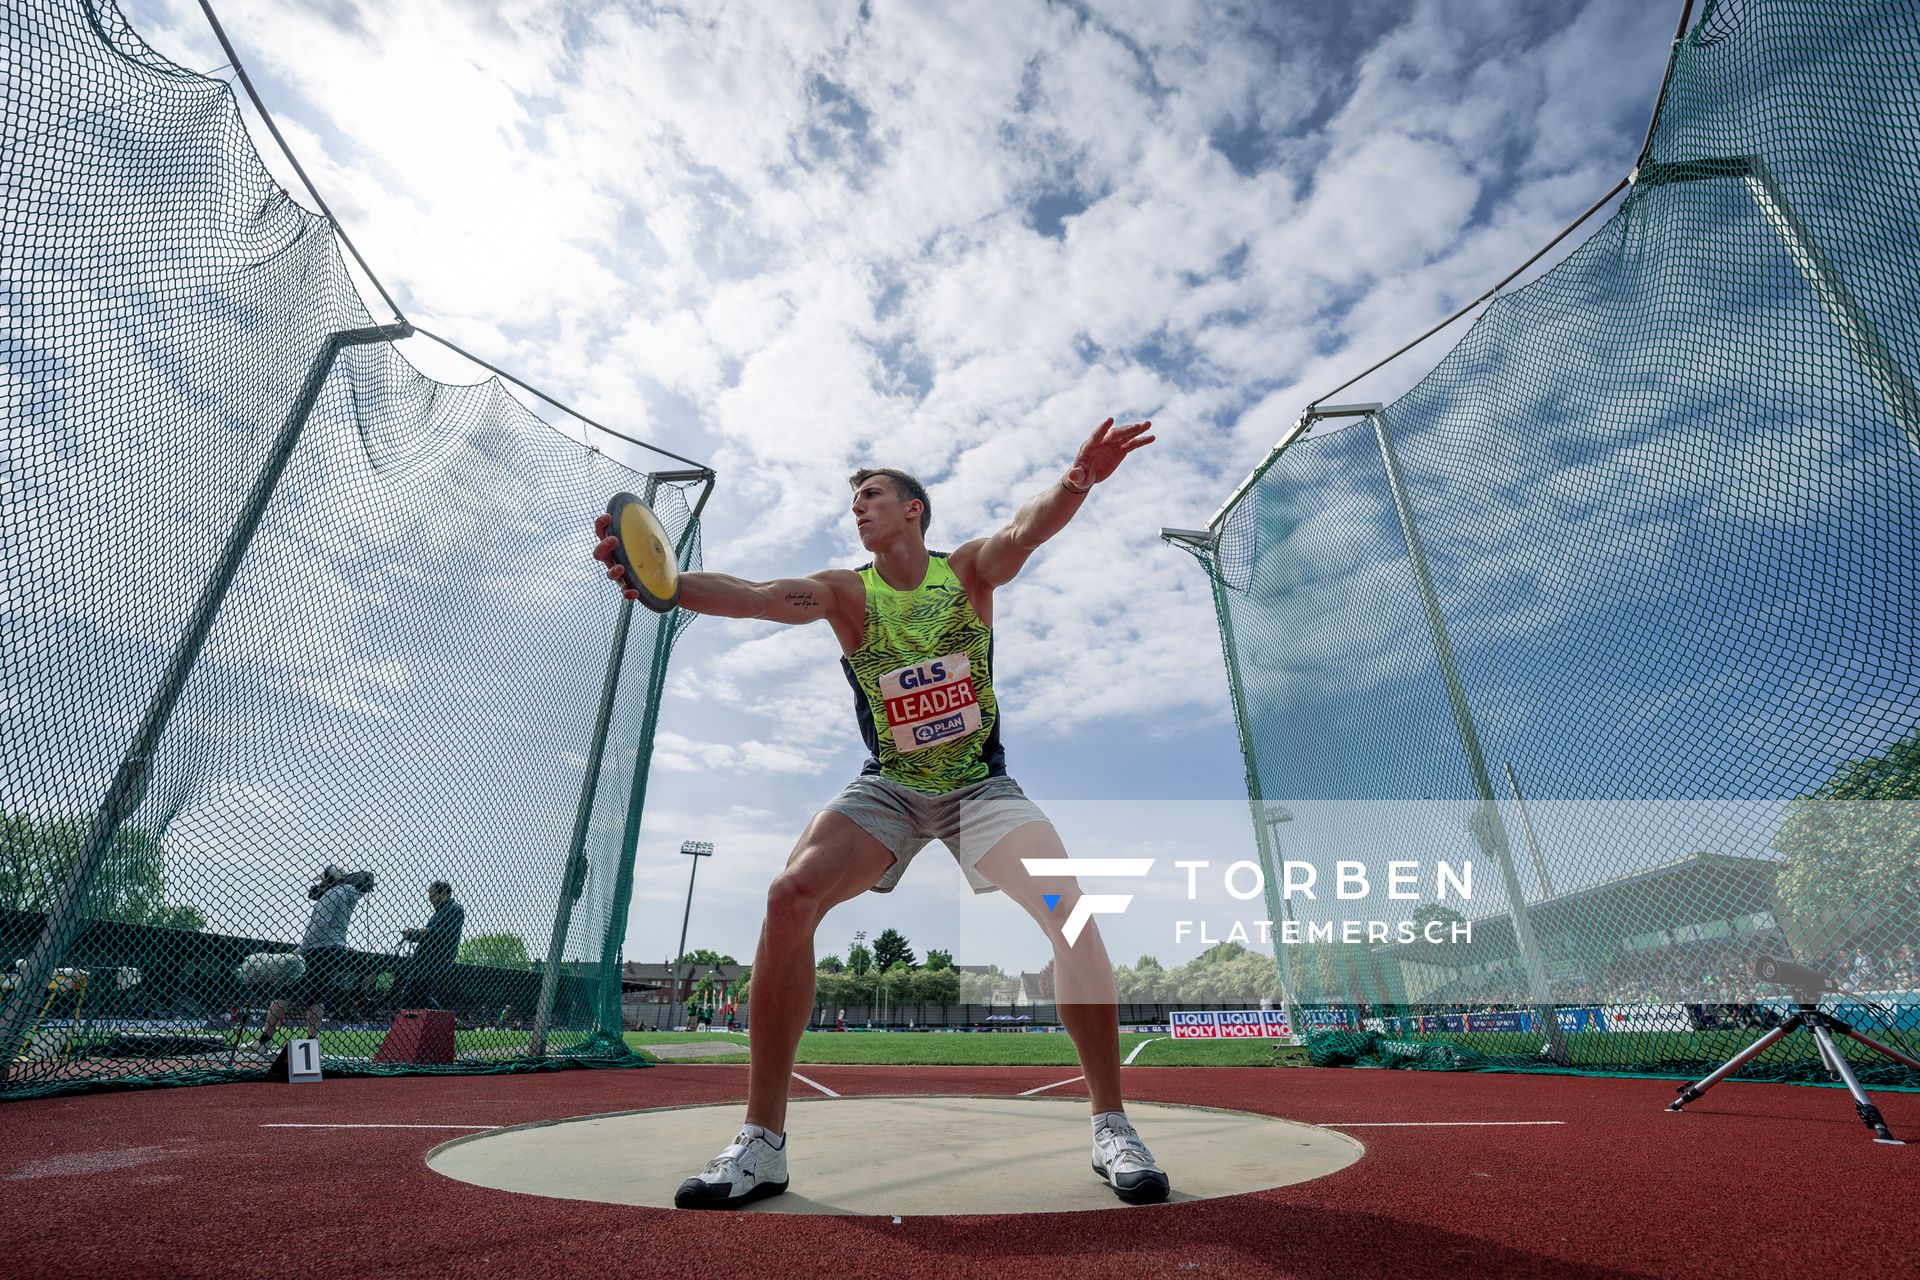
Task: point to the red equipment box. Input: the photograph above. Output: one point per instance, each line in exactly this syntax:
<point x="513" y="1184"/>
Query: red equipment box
<point x="418" y="1036"/>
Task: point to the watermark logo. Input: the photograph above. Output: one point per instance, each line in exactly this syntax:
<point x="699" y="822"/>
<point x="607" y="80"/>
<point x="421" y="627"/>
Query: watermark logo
<point x="1088" y="905"/>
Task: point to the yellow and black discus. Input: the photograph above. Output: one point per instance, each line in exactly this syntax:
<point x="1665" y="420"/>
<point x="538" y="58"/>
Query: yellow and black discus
<point x="644" y="552"/>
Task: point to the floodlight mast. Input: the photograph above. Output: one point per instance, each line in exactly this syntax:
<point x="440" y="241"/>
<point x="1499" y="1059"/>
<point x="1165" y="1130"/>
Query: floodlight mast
<point x="696" y="849"/>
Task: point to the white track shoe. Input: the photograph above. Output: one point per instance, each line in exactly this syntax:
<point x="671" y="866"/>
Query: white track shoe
<point x="1124" y="1163"/>
<point x="751" y="1168"/>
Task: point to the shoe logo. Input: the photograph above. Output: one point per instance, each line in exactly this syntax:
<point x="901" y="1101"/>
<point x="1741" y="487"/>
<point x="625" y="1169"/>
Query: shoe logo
<point x="1088" y="905"/>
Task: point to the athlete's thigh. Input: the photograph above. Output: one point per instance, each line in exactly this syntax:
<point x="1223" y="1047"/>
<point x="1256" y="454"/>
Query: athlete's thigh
<point x="1003" y="868"/>
<point x="835" y="859"/>
<point x="1083" y="974"/>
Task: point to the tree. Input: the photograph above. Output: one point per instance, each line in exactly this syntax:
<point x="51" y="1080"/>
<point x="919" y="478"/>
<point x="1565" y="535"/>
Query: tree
<point x="495" y="951"/>
<point x="981" y="988"/>
<point x="938" y="959"/>
<point x="830" y="964"/>
<point x="935" y="986"/>
<point x="891" y="948"/>
<point x="859" y="959"/>
<point x="37" y="855"/>
<point x="704" y="956"/>
<point x="1144" y="983"/>
<point x="1851" y="850"/>
<point x="837" y="990"/>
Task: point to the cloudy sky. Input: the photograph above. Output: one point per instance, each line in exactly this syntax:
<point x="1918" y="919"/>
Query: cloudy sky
<point x="796" y="239"/>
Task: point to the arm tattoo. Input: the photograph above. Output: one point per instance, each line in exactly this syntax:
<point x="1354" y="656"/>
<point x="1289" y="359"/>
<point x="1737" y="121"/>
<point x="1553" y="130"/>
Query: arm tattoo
<point x="802" y="600"/>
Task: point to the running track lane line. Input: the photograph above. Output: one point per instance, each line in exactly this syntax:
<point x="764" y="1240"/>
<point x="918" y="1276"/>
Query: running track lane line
<point x="816" y="1084"/>
<point x="379" y="1126"/>
<point x="1055" y="1085"/>
<point x="1424" y="1124"/>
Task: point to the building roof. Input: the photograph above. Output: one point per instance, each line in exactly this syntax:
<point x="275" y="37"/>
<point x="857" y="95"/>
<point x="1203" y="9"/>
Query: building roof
<point x="1697" y="889"/>
<point x="644" y="974"/>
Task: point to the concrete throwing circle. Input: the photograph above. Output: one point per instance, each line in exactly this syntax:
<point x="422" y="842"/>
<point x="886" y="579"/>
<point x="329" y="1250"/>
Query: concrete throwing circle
<point x="908" y="1156"/>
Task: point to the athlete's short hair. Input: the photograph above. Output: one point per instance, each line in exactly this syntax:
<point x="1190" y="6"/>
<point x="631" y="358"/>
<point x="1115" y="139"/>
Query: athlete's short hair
<point x="905" y="487"/>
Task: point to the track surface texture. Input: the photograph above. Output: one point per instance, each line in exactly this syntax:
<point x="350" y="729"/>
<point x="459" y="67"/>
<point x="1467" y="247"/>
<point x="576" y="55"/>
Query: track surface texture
<point x="1754" y="1179"/>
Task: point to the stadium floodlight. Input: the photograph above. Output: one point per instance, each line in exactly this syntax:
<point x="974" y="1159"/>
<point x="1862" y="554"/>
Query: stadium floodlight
<point x="695" y="849"/>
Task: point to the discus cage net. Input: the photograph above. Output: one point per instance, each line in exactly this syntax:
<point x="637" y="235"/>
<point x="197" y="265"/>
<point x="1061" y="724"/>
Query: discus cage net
<point x="273" y="601"/>
<point x="1620" y="601"/>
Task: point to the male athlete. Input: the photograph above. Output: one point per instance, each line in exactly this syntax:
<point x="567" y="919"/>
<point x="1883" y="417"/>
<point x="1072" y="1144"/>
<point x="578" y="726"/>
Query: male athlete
<point x="915" y="627"/>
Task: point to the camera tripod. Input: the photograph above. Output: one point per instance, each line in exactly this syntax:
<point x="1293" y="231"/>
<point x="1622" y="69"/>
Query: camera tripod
<point x="1821" y="1027"/>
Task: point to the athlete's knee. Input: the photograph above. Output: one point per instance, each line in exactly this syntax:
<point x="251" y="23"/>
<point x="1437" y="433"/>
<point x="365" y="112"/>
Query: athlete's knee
<point x="1051" y="901"/>
<point x="794" y="901"/>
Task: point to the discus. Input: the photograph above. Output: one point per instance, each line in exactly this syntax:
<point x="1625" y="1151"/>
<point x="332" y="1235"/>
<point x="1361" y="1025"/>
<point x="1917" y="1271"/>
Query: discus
<point x="644" y="552"/>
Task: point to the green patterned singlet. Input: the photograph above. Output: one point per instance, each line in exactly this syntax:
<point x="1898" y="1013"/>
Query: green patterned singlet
<point x="923" y="684"/>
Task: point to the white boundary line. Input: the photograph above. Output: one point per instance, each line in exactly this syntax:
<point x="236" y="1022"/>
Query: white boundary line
<point x="1137" y="1048"/>
<point x="816" y="1084"/>
<point x="379" y="1126"/>
<point x="1055" y="1085"/>
<point x="1425" y="1124"/>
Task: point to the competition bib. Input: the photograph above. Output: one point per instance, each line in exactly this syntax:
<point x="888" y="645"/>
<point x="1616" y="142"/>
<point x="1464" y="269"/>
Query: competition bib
<point x="930" y="702"/>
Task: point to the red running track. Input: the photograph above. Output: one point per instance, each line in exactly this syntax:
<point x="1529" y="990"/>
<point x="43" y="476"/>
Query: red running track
<point x="1755" y="1179"/>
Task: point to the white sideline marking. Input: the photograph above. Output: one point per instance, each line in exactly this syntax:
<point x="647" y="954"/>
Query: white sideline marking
<point x="816" y="1084"/>
<point x="1055" y="1085"/>
<point x="1137" y="1048"/>
<point x="1423" y="1124"/>
<point x="379" y="1126"/>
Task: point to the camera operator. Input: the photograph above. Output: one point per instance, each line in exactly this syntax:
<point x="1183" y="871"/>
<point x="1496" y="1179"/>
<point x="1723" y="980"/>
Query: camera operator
<point x="436" y="946"/>
<point x="323" y="947"/>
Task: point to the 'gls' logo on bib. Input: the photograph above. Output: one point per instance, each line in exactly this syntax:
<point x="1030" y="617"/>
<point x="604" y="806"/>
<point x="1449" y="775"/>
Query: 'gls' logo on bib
<point x="930" y="702"/>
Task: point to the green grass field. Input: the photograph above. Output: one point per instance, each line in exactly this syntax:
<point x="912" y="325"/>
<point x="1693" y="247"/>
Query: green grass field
<point x="1607" y="1049"/>
<point x="362" y="1043"/>
<point x="1591" y="1049"/>
<point x="984" y="1049"/>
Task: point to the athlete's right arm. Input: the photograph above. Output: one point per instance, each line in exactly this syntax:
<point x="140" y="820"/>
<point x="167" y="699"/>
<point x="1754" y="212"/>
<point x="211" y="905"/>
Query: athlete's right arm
<point x="792" y="600"/>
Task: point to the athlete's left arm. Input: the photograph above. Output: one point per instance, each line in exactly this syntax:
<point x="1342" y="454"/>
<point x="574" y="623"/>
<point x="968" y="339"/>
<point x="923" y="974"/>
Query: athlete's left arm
<point x="993" y="561"/>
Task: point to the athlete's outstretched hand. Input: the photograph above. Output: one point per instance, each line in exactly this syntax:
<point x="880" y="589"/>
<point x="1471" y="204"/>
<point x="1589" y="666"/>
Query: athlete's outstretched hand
<point x="1104" y="451"/>
<point x="603" y="551"/>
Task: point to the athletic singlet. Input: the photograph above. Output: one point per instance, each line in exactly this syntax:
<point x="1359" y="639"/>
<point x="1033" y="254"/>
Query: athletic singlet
<point x="923" y="684"/>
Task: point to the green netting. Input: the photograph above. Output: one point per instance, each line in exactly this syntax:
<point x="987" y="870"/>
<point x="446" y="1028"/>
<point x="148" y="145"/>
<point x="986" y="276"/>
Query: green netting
<point x="403" y="679"/>
<point x="1667" y="499"/>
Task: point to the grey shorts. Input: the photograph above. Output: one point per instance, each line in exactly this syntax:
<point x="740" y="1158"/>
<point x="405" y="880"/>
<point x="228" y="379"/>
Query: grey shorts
<point x="969" y="821"/>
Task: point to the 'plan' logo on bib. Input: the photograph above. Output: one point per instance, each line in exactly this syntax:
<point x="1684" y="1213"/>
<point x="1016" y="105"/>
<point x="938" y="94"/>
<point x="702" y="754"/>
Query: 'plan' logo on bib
<point x="930" y="702"/>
